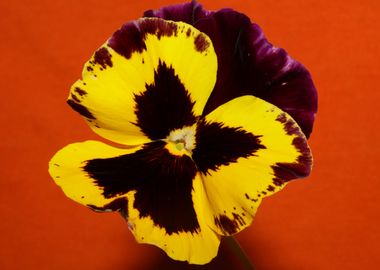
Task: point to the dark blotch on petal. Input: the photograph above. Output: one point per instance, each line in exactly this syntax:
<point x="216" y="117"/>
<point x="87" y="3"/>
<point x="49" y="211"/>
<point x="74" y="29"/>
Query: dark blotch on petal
<point x="164" y="106"/>
<point x="103" y="58"/>
<point x="301" y="168"/>
<point x="128" y="40"/>
<point x="200" y="42"/>
<point x="131" y="36"/>
<point x="163" y="184"/>
<point x="218" y="145"/>
<point x="227" y="225"/>
<point x="285" y="172"/>
<point x="289" y="125"/>
<point x="158" y="27"/>
<point x="82" y="110"/>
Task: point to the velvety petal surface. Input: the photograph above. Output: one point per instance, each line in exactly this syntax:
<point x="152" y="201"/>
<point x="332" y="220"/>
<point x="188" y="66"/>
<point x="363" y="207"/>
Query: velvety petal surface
<point x="245" y="150"/>
<point x="249" y="64"/>
<point x="151" y="77"/>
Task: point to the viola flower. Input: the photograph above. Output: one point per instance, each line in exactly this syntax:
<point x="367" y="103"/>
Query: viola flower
<point x="211" y="124"/>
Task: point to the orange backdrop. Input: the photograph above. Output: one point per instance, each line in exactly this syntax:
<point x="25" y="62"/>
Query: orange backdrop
<point x="328" y="221"/>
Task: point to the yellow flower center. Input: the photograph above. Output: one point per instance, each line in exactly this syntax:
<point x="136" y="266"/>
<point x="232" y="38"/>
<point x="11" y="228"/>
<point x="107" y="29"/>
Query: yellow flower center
<point x="180" y="146"/>
<point x="181" y="141"/>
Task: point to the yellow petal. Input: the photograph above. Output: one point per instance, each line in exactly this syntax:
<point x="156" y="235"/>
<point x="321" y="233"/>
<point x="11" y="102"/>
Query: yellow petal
<point x="151" y="77"/>
<point x="258" y="149"/>
<point x="67" y="170"/>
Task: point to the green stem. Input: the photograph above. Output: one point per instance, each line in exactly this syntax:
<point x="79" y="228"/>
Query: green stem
<point x="239" y="252"/>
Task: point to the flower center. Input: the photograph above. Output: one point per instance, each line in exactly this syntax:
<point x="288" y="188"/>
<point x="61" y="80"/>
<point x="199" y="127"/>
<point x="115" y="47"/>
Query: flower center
<point x="183" y="139"/>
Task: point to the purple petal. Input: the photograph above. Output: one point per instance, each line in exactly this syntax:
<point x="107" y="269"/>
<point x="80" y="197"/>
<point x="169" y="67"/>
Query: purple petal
<point x="189" y="12"/>
<point x="249" y="64"/>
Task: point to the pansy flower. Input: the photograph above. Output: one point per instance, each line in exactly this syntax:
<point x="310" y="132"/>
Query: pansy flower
<point x="208" y="118"/>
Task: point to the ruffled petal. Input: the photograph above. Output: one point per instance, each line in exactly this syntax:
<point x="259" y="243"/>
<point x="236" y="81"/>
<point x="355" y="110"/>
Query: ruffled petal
<point x="67" y="168"/>
<point x="190" y="12"/>
<point x="245" y="150"/>
<point x="249" y="64"/>
<point x="151" y="77"/>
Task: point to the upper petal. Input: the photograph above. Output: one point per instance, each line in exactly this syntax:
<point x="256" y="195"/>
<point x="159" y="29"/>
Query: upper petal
<point x="151" y="77"/>
<point x="249" y="64"/>
<point x="245" y="150"/>
<point x="190" y="12"/>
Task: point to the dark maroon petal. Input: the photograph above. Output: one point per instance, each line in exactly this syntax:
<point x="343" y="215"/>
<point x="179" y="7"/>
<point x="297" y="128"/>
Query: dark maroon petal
<point x="249" y="64"/>
<point x="189" y="12"/>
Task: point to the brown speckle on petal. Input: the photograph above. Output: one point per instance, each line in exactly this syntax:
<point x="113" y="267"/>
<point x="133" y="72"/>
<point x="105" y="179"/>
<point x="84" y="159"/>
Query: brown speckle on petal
<point x="82" y="110"/>
<point x="188" y="32"/>
<point x="131" y="37"/>
<point x="80" y="91"/>
<point x="227" y="225"/>
<point x="200" y="42"/>
<point x="75" y="98"/>
<point x="103" y="58"/>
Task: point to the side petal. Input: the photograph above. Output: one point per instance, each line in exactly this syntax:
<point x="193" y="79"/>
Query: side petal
<point x="199" y="246"/>
<point x="67" y="168"/>
<point x="158" y="192"/>
<point x="248" y="64"/>
<point x="245" y="150"/>
<point x="151" y="77"/>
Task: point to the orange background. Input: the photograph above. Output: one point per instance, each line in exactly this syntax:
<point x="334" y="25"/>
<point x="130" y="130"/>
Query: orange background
<point x="328" y="221"/>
